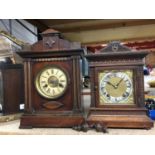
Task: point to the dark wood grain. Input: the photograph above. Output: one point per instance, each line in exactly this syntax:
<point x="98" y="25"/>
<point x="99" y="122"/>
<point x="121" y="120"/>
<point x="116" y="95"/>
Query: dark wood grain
<point x="118" y="116"/>
<point x="12" y="88"/>
<point x="38" y="111"/>
<point x="52" y="120"/>
<point x="53" y="40"/>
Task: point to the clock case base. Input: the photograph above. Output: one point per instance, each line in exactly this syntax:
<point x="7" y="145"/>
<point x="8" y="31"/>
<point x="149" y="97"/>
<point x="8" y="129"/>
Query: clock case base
<point x="29" y="121"/>
<point x="120" y="118"/>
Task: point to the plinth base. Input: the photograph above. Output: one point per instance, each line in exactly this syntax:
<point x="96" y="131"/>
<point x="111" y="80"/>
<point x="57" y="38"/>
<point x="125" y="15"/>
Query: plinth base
<point x="50" y="120"/>
<point x="121" y="119"/>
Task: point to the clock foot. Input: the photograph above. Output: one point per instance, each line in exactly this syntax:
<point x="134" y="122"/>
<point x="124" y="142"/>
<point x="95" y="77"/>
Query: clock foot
<point x="99" y="127"/>
<point x="83" y="127"/>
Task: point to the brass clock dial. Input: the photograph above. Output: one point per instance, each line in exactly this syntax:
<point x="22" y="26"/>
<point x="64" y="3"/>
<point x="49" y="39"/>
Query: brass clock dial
<point x="116" y="87"/>
<point x="51" y="82"/>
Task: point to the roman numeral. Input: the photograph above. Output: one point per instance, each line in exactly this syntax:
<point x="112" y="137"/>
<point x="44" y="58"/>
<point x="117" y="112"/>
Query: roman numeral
<point x="47" y="73"/>
<point x="45" y="86"/>
<point x="129" y="86"/>
<point x="43" y="81"/>
<point x="62" y="80"/>
<point x="108" y="95"/>
<point x="48" y="90"/>
<point x="61" y="85"/>
<point x="104" y="93"/>
<point x="53" y="91"/>
<point x="60" y="76"/>
<point x="102" y="87"/>
<point x="126" y="94"/>
<point x="56" y="72"/>
<point x="52" y="71"/>
<point x="116" y="99"/>
<point x="43" y="76"/>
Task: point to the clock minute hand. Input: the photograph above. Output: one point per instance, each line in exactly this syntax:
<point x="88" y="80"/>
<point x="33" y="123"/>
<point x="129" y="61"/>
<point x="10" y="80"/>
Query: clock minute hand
<point x="119" y="82"/>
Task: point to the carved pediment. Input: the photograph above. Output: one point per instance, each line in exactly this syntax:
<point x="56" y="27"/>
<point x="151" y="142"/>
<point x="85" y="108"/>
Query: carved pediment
<point x="115" y="46"/>
<point x="53" y="40"/>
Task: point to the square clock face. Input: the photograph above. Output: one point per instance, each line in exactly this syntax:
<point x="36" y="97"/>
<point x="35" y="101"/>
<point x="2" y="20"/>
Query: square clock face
<point x="116" y="87"/>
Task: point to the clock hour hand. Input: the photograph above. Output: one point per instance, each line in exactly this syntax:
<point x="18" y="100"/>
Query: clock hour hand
<point x="110" y="84"/>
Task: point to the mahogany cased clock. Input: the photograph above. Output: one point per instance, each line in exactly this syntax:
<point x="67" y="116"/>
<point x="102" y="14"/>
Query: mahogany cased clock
<point x="52" y="83"/>
<point x="117" y="88"/>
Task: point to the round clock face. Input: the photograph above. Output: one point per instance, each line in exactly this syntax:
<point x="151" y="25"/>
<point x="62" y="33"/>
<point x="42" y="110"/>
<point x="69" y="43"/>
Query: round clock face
<point x="51" y="82"/>
<point x="116" y="87"/>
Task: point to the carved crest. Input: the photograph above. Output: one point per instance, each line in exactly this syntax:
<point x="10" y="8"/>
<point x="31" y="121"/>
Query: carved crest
<point x="115" y="46"/>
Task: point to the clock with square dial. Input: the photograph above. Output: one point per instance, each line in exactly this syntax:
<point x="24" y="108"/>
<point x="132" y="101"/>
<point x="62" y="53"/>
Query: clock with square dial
<point x="116" y="87"/>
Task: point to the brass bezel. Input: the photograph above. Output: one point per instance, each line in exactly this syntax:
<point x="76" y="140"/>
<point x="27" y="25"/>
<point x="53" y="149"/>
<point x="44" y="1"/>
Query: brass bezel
<point x="37" y="83"/>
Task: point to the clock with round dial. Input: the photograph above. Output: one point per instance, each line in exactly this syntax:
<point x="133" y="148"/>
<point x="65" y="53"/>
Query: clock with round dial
<point x="116" y="87"/>
<point x="51" y="82"/>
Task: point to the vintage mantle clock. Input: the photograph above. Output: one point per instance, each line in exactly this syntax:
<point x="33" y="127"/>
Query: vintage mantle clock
<point x="52" y="83"/>
<point x="117" y="88"/>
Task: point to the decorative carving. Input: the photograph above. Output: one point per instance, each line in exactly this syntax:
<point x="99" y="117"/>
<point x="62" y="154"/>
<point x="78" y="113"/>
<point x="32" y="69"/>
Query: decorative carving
<point x="99" y="127"/>
<point x="118" y="62"/>
<point x="115" y="46"/>
<point x="52" y="105"/>
<point x="49" y="43"/>
<point x="54" y="41"/>
<point x="50" y="59"/>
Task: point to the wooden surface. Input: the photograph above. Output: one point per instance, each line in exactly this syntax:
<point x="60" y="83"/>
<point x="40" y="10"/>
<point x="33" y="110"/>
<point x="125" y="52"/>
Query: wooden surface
<point x="10" y="117"/>
<point x="12" y="88"/>
<point x="12" y="128"/>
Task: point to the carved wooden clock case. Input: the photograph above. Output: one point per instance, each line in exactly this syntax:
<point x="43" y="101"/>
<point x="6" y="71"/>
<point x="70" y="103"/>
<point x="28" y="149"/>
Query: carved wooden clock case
<point x="52" y="83"/>
<point x="117" y="88"/>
